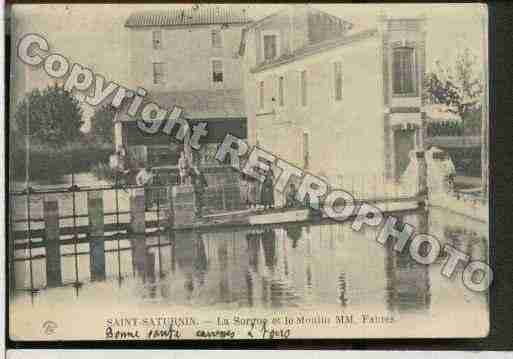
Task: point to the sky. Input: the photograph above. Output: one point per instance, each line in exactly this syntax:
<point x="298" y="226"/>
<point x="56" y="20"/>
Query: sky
<point x="94" y="35"/>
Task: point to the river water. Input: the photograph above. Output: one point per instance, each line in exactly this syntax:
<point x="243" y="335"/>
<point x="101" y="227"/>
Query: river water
<point x="328" y="268"/>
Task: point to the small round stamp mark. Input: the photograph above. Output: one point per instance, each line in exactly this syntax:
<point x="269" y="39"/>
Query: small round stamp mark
<point x="49" y="327"/>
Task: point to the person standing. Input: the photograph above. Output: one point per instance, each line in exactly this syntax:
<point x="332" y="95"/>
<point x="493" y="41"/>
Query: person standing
<point x="183" y="169"/>
<point x="144" y="178"/>
<point x="122" y="170"/>
<point x="252" y="193"/>
<point x="200" y="184"/>
<point x="268" y="191"/>
<point x="291" y="200"/>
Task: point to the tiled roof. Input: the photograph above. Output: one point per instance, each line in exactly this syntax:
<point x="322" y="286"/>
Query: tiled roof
<point x="316" y="48"/>
<point x="202" y="104"/>
<point x="189" y="16"/>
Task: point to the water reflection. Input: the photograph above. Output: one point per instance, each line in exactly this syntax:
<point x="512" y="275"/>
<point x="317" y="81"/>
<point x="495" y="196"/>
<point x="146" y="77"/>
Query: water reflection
<point x="291" y="266"/>
<point x="408" y="285"/>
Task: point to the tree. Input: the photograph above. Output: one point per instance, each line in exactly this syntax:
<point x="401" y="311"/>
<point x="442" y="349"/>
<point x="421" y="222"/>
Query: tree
<point x="102" y="123"/>
<point x="460" y="87"/>
<point x="54" y="116"/>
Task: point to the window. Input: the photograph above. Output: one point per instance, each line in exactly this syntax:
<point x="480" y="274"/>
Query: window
<point x="157" y="39"/>
<point x="217" y="71"/>
<point x="404" y="71"/>
<point x="304" y="93"/>
<point x="217" y="41"/>
<point x="158" y="73"/>
<point x="270" y="47"/>
<point x="337" y="72"/>
<point x="306" y="149"/>
<point x="261" y="94"/>
<point x="280" y="90"/>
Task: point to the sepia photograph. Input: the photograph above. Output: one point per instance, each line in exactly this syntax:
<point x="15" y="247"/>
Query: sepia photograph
<point x="248" y="171"/>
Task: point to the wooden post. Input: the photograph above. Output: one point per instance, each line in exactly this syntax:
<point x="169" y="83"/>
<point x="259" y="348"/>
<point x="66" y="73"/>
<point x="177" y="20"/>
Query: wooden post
<point x="137" y="211"/>
<point x="138" y="230"/>
<point x="183" y="205"/>
<point x="149" y="270"/>
<point x="223" y="197"/>
<point x="139" y="254"/>
<point x="170" y="225"/>
<point x="422" y="173"/>
<point x="170" y="212"/>
<point x="53" y="249"/>
<point x="96" y="239"/>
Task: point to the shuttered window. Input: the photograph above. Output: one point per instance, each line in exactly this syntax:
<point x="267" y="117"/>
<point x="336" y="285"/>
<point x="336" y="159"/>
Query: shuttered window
<point x="337" y="72"/>
<point x="304" y="90"/>
<point x="306" y="150"/>
<point x="158" y="73"/>
<point x="216" y="39"/>
<point x="280" y="91"/>
<point x="217" y="71"/>
<point x="270" y="47"/>
<point x="404" y="71"/>
<point x="157" y="39"/>
<point x="261" y="94"/>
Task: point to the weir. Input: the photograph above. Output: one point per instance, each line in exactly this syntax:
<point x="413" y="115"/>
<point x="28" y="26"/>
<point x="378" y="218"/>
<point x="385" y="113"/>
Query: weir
<point x="156" y="211"/>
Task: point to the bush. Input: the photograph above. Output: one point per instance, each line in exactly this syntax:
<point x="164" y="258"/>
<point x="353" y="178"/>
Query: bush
<point x="48" y="163"/>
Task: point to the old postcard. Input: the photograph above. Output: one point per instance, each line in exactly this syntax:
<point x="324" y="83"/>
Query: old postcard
<point x="248" y="171"/>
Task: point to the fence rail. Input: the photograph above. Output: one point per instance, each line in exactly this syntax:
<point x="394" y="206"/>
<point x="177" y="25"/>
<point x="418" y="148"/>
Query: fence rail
<point x="231" y="196"/>
<point x="157" y="202"/>
<point x="102" y="217"/>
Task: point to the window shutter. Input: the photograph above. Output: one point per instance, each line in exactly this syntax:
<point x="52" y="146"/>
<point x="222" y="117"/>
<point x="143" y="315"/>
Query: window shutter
<point x="261" y="94"/>
<point x="270" y="49"/>
<point x="158" y="73"/>
<point x="338" y="80"/>
<point x="404" y="70"/>
<point x="217" y="71"/>
<point x="304" y="90"/>
<point x="281" y="90"/>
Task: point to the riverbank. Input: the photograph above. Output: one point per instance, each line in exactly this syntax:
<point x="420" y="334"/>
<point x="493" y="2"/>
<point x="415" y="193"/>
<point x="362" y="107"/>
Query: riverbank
<point x="47" y="163"/>
<point x="476" y="209"/>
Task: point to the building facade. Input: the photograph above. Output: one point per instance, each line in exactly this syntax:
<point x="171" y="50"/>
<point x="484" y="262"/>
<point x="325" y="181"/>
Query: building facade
<point x="188" y="58"/>
<point x="329" y="97"/>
